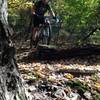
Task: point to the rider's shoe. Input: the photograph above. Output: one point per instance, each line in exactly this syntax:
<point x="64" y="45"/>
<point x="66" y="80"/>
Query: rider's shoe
<point x="30" y="46"/>
<point x="33" y="44"/>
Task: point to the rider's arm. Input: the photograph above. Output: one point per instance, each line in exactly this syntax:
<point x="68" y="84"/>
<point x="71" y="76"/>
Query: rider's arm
<point x="51" y="11"/>
<point x="33" y="8"/>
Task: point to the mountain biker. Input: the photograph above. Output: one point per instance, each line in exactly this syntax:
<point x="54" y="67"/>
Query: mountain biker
<point x="38" y="11"/>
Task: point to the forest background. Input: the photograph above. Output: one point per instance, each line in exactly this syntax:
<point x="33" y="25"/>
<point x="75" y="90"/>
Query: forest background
<point x="80" y="19"/>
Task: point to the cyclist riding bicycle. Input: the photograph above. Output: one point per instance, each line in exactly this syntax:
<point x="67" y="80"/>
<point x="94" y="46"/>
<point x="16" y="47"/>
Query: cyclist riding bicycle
<point x="38" y="11"/>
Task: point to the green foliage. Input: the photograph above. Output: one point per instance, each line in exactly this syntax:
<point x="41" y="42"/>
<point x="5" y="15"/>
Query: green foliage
<point x="78" y="16"/>
<point x="79" y="86"/>
<point x="19" y="11"/>
<point x="97" y="97"/>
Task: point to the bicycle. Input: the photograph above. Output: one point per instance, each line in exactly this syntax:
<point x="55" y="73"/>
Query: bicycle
<point x="43" y="35"/>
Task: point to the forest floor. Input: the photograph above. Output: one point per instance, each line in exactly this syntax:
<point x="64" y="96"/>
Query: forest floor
<point x="74" y="78"/>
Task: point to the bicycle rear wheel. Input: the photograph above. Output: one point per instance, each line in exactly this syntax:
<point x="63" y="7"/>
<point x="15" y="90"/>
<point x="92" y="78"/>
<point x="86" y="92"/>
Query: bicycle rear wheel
<point x="34" y="43"/>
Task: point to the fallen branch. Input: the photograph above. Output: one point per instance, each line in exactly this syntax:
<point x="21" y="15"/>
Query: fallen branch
<point x="51" y="53"/>
<point x="77" y="72"/>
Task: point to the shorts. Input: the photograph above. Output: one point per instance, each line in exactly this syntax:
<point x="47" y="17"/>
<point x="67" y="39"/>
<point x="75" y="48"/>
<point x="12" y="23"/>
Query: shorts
<point x="37" y="20"/>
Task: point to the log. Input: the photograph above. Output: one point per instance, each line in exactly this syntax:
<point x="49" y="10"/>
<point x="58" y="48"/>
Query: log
<point x="45" y="52"/>
<point x="78" y="72"/>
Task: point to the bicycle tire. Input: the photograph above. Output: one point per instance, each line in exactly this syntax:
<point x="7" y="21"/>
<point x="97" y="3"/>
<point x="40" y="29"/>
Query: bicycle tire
<point x="34" y="42"/>
<point x="46" y="34"/>
<point x="44" y="37"/>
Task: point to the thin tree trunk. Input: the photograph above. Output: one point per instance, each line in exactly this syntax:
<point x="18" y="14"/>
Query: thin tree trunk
<point x="11" y="87"/>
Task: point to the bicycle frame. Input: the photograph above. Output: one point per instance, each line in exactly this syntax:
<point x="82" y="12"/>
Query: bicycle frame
<point x="43" y="35"/>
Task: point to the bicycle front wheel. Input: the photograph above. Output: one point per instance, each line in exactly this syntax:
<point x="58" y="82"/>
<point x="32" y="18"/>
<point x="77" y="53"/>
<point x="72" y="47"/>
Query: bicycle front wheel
<point x="46" y="35"/>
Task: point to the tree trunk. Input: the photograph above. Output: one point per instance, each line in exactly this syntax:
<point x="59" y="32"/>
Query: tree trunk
<point x="10" y="82"/>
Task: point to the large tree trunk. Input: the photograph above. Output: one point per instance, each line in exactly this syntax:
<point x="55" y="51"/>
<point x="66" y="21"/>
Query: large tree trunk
<point x="10" y="83"/>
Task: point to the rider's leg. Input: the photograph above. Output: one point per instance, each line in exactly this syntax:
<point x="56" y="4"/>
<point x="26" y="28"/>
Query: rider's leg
<point x="32" y="38"/>
<point x="34" y="33"/>
<point x="38" y="20"/>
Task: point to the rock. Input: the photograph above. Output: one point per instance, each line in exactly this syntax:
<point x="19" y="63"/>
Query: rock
<point x="74" y="96"/>
<point x="87" y="94"/>
<point x="40" y="96"/>
<point x="32" y="89"/>
<point x="61" y="94"/>
<point x="37" y="96"/>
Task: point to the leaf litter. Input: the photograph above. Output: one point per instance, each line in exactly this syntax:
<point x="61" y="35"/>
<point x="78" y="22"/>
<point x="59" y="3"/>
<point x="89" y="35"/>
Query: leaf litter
<point x="44" y="80"/>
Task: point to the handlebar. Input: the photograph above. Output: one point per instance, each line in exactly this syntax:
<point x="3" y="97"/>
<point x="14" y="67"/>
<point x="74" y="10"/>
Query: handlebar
<point x="56" y="18"/>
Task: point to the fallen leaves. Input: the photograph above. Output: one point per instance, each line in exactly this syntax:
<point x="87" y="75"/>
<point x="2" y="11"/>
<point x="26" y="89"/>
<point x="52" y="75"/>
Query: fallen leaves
<point x="52" y="79"/>
<point x="59" y="86"/>
<point x="97" y="85"/>
<point x="68" y="76"/>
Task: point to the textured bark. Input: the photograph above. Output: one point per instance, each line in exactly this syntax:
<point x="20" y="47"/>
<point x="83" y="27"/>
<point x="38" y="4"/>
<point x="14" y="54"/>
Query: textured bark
<point x="11" y="87"/>
<point x="51" y="53"/>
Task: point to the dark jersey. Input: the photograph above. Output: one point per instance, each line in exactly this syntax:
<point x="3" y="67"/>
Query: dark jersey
<point x="41" y="8"/>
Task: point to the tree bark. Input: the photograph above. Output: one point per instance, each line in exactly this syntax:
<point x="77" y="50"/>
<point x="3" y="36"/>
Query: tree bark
<point x="11" y="87"/>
